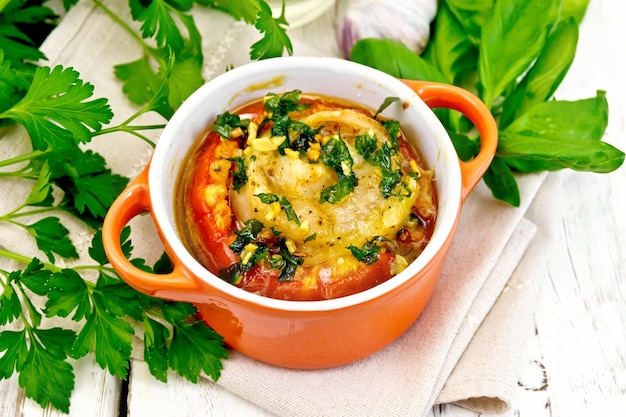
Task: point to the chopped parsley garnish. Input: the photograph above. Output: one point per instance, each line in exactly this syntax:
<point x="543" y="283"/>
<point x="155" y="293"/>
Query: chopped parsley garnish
<point x="246" y="235"/>
<point x="393" y="129"/>
<point x="368" y="253"/>
<point x="391" y="177"/>
<point x="335" y="193"/>
<point x="305" y="135"/>
<point x="240" y="178"/>
<point x="226" y="122"/>
<point x="268" y="198"/>
<point x="258" y="255"/>
<point x="366" y="146"/>
<point x="292" y="262"/>
<point x="278" y="106"/>
<point x="335" y="155"/>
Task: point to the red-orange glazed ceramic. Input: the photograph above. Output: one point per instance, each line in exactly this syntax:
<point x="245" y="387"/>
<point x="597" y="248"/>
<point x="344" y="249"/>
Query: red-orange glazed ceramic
<point x="304" y="334"/>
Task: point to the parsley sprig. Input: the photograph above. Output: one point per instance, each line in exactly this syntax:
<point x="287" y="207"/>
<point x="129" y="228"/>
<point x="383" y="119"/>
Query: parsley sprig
<point x="336" y="155"/>
<point x="104" y="311"/>
<point x="93" y="309"/>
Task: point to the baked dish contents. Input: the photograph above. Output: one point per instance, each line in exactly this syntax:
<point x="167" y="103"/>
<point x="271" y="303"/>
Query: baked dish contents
<point x="305" y="197"/>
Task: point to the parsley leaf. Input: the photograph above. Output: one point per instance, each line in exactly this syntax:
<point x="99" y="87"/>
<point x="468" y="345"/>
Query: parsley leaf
<point x="275" y="37"/>
<point x="67" y="292"/>
<point x="178" y="59"/>
<point x="18" y="45"/>
<point x="90" y="187"/>
<point x="44" y="350"/>
<point x="155" y="338"/>
<point x="55" y="111"/>
<point x="14" y="84"/>
<point x="195" y="348"/>
<point x="47" y="352"/>
<point x="52" y="237"/>
<point x="140" y="82"/>
<point x="10" y="305"/>
<point x="157" y="22"/>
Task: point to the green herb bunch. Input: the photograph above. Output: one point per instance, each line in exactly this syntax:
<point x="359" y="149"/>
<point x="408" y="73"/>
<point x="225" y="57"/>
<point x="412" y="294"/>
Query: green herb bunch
<point x="50" y="314"/>
<point x="513" y="54"/>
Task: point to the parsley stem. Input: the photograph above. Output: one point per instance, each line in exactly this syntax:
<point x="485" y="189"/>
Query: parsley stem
<point x="26" y="260"/>
<point x="133" y="130"/>
<point x="14" y="214"/>
<point x="33" y="313"/>
<point x="122" y="24"/>
<point x="3" y="4"/>
<point x="21" y="158"/>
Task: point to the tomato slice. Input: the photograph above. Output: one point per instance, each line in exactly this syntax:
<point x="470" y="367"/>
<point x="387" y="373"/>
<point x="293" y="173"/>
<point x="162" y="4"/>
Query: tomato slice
<point x="331" y="279"/>
<point x="206" y="203"/>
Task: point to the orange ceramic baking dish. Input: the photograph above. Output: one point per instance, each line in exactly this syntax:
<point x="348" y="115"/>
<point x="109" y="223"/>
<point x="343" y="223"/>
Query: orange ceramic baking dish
<point x="304" y="334"/>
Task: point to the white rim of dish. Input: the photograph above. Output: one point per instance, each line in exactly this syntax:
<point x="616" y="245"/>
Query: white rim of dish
<point x="443" y="226"/>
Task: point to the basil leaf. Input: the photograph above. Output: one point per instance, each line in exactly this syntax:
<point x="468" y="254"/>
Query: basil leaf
<point x="501" y="182"/>
<point x="561" y="118"/>
<point x="471" y="15"/>
<point x="395" y="59"/>
<point x="560" y="152"/>
<point x="546" y="74"/>
<point x="511" y="38"/>
<point x="574" y="8"/>
<point x="552" y="135"/>
<point x="386" y="103"/>
<point x="465" y="147"/>
<point x="450" y="50"/>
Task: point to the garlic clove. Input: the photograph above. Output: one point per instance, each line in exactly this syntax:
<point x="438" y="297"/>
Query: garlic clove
<point x="406" y="21"/>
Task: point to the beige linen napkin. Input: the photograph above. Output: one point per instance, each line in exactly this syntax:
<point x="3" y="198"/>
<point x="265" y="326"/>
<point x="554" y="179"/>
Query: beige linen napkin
<point x="407" y="377"/>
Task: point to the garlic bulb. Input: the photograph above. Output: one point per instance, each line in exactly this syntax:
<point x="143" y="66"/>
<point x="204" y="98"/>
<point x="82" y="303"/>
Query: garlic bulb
<point x="406" y="21"/>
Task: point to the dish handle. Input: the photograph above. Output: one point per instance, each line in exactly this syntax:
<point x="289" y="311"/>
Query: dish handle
<point x="452" y="97"/>
<point x="132" y="202"/>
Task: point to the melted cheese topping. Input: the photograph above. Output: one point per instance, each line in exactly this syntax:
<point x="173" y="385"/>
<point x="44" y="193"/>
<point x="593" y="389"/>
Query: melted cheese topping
<point x="354" y="220"/>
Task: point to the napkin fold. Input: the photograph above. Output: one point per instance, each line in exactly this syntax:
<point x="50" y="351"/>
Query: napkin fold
<point x="464" y="348"/>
